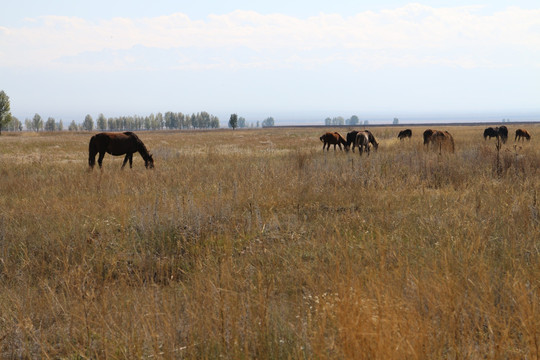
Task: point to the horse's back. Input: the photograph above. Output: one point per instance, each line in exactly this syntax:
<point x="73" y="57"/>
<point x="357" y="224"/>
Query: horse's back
<point x="331" y="137"/>
<point x="116" y="143"/>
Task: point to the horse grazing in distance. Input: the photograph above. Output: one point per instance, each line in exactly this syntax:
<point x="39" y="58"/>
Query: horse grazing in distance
<point x="522" y="134"/>
<point x="362" y="142"/>
<point x="407" y="133"/>
<point x="351" y="139"/>
<point x="503" y="133"/>
<point x="427" y="136"/>
<point x="498" y="132"/>
<point x="491" y="132"/>
<point x="439" y="139"/>
<point x="118" y="144"/>
<point x="334" y="138"/>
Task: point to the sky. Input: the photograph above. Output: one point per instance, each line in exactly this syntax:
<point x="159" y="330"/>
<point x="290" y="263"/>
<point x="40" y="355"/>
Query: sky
<point x="297" y="61"/>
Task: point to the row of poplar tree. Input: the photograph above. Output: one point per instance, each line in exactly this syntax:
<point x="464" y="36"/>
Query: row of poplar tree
<point x="169" y="120"/>
<point x="159" y="121"/>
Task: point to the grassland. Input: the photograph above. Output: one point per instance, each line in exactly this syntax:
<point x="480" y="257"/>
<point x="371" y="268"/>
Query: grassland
<point x="256" y="244"/>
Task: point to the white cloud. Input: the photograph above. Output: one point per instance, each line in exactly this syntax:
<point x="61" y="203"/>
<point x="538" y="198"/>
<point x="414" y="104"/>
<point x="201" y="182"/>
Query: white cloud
<point x="413" y="35"/>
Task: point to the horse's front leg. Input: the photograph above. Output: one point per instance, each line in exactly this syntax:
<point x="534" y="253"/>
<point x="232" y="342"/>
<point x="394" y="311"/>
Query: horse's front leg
<point x="131" y="161"/>
<point x="126" y="158"/>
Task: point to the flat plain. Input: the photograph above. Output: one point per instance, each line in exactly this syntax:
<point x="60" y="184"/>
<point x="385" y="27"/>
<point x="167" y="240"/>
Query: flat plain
<point x="257" y="244"/>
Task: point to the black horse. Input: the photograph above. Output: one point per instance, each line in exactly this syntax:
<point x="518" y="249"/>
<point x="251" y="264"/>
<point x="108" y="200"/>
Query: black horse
<point x="407" y="133"/>
<point x="118" y="144"/>
<point x="503" y="133"/>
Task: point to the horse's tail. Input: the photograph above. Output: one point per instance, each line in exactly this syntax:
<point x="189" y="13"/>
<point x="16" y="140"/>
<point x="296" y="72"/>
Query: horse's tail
<point x="92" y="151"/>
<point x="452" y="145"/>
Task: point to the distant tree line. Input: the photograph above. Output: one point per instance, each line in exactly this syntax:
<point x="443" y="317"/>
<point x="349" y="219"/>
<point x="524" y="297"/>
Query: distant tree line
<point x="159" y="121"/>
<point x="169" y="120"/>
<point x="236" y="121"/>
<point x="340" y="120"/>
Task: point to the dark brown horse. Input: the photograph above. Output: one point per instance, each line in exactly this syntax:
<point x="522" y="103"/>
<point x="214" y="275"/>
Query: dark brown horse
<point x="351" y="139"/>
<point x="333" y="139"/>
<point x="503" y="133"/>
<point x="491" y="132"/>
<point x="522" y="134"/>
<point x="118" y="144"/>
<point x="498" y="132"/>
<point x="427" y="136"/>
<point x="439" y="139"/>
<point x="407" y="133"/>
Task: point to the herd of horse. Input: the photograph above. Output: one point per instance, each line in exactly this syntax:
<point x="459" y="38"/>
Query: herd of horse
<point x="127" y="143"/>
<point x="358" y="139"/>
<point x="437" y="139"/>
<point x="502" y="133"/>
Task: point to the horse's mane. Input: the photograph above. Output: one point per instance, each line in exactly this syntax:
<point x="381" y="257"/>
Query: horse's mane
<point x="341" y="138"/>
<point x="140" y="145"/>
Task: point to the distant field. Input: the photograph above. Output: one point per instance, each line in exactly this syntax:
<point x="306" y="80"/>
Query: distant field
<point x="257" y="244"/>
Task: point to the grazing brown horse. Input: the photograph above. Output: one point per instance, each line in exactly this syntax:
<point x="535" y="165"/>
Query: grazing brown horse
<point x="439" y="139"/>
<point x="351" y="139"/>
<point x="362" y="142"/>
<point x="333" y="139"/>
<point x="407" y="133"/>
<point x="522" y="134"/>
<point x="118" y="144"/>
<point x="498" y="132"/>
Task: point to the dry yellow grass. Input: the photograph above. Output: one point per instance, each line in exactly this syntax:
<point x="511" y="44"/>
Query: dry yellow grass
<point x="256" y="244"/>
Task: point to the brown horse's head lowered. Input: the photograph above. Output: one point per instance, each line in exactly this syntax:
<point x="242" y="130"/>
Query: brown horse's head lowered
<point x="522" y="134"/>
<point x="125" y="143"/>
<point x="439" y="139"/>
<point x="333" y="138"/>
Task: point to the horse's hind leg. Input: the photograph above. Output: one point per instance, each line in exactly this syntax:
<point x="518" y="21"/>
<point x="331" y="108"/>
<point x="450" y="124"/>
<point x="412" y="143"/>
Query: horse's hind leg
<point x="91" y="161"/>
<point x="100" y="159"/>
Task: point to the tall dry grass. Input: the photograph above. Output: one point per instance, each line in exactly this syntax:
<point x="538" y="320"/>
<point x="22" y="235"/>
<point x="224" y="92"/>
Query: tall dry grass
<point x="256" y="244"/>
